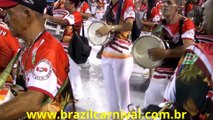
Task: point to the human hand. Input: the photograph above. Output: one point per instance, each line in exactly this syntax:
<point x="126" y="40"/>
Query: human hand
<point x="157" y="53"/>
<point x="104" y="30"/>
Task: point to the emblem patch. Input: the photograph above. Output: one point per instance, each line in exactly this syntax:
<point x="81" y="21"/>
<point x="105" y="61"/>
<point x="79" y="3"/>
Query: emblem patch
<point x="190" y="59"/>
<point x="42" y="71"/>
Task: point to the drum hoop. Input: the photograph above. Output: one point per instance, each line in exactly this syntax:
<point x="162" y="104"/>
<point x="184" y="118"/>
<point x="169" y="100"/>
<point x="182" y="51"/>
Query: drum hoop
<point x="108" y="36"/>
<point x="134" y="44"/>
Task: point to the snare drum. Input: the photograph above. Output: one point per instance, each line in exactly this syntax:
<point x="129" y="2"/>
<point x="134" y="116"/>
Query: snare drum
<point x="93" y="37"/>
<point x="140" y="50"/>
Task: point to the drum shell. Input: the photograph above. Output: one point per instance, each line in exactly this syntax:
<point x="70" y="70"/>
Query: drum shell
<point x="140" y="50"/>
<point x="93" y="37"/>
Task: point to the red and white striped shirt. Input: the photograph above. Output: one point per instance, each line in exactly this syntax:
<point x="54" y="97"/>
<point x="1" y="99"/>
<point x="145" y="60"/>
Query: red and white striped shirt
<point x="121" y="47"/>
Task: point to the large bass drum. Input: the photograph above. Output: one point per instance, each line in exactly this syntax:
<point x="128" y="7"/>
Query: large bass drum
<point x="140" y="50"/>
<point x="93" y="37"/>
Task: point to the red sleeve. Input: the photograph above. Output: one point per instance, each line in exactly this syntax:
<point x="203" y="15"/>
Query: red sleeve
<point x="84" y="7"/>
<point x="190" y="7"/>
<point x="154" y="12"/>
<point x="188" y="25"/>
<point x="127" y="4"/>
<point x="15" y="45"/>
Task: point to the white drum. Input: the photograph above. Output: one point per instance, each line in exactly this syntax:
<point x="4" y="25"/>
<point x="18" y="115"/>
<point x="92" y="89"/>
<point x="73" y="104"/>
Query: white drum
<point x="93" y="37"/>
<point x="140" y="50"/>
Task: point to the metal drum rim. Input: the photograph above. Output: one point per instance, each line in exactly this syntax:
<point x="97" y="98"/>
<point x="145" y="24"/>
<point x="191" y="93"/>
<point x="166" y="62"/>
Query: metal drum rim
<point x="108" y="36"/>
<point x="134" y="44"/>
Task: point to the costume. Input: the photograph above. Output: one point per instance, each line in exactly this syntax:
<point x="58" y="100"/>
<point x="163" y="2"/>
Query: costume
<point x="162" y="74"/>
<point x="84" y="7"/>
<point x="74" y="74"/>
<point x="45" y="65"/>
<point x="193" y="79"/>
<point x="8" y="47"/>
<point x="117" y="63"/>
<point x="156" y="14"/>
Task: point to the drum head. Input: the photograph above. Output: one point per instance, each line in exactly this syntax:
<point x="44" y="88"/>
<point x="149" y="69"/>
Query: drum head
<point x="140" y="50"/>
<point x="93" y="37"/>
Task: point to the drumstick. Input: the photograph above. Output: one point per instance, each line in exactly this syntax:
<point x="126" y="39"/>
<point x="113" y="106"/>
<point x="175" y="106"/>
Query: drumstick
<point x="167" y="105"/>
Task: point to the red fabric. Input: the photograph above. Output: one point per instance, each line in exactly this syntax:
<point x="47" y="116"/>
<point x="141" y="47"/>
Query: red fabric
<point x="126" y="5"/>
<point x="207" y="49"/>
<point x="84" y="7"/>
<point x="7" y="3"/>
<point x="50" y="50"/>
<point x="187" y="25"/>
<point x="8" y="47"/>
<point x="78" y="21"/>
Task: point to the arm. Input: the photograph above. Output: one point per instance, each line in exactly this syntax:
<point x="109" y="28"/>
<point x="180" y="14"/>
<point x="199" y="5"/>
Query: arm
<point x="67" y="39"/>
<point x="59" y="21"/>
<point x="127" y="26"/>
<point x="179" y="51"/>
<point x="29" y="101"/>
<point x="86" y="15"/>
<point x="148" y="23"/>
<point x="160" y="53"/>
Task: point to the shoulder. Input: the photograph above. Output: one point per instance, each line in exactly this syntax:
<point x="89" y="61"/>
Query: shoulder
<point x="85" y="4"/>
<point x="128" y="3"/>
<point x="50" y="42"/>
<point x="188" y="24"/>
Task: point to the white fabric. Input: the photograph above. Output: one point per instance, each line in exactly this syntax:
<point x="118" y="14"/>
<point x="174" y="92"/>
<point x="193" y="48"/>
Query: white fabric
<point x="60" y="13"/>
<point x="75" y="80"/>
<point x="188" y="34"/>
<point x="116" y="74"/>
<point x="170" y="91"/>
<point x="155" y="92"/>
<point x="41" y="77"/>
<point x="129" y="13"/>
<point x="70" y="18"/>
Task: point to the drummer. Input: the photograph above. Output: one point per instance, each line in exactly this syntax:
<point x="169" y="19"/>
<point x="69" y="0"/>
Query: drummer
<point x="9" y="45"/>
<point x="179" y="32"/>
<point x="39" y="60"/>
<point x="117" y="62"/>
<point x="192" y="87"/>
<point x="72" y="19"/>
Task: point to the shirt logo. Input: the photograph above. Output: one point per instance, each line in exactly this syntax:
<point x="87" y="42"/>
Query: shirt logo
<point x="42" y="71"/>
<point x="190" y="59"/>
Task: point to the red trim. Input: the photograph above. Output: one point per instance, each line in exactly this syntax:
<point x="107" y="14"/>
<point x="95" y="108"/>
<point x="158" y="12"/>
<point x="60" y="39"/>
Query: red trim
<point x="165" y="100"/>
<point x="187" y="39"/>
<point x="40" y="90"/>
<point x="161" y="76"/>
<point x="114" y="48"/>
<point x="129" y="18"/>
<point x="67" y="21"/>
<point x="120" y="46"/>
<point x="210" y="94"/>
<point x="4" y="92"/>
<point x="127" y="42"/>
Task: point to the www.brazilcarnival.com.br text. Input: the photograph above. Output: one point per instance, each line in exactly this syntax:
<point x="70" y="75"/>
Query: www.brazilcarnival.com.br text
<point x="90" y="114"/>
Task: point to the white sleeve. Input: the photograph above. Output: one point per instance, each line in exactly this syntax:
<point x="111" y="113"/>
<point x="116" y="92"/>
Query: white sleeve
<point x="70" y="19"/>
<point x="43" y="79"/>
<point x="189" y="34"/>
<point x="129" y="13"/>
